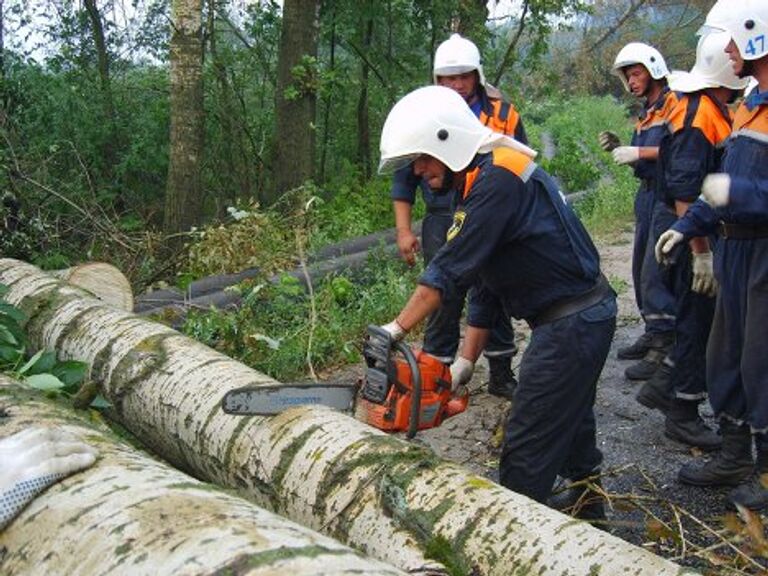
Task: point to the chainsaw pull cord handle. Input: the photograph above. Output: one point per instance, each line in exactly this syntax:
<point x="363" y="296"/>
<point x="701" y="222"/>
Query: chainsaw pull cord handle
<point x="413" y="423"/>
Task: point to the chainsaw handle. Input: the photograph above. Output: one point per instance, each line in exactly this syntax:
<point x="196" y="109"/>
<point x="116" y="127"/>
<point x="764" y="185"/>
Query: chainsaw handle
<point x="410" y="358"/>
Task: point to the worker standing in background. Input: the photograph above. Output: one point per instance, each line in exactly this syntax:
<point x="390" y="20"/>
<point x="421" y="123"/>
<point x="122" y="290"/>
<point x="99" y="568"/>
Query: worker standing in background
<point x="643" y="72"/>
<point x="698" y="127"/>
<point x="735" y="205"/>
<point x="526" y="255"/>
<point x="457" y="66"/>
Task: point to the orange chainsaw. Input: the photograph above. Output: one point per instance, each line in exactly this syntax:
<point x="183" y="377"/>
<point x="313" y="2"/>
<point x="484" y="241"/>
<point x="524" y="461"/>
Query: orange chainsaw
<point x="401" y="390"/>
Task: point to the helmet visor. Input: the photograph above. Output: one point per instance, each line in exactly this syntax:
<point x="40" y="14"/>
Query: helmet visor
<point x="390" y="165"/>
<point x="709" y="29"/>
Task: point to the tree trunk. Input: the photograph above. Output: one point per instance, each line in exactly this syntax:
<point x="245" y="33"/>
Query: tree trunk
<point x="295" y="99"/>
<point x="130" y="514"/>
<point x="183" y="199"/>
<point x="392" y="499"/>
<point x="110" y="142"/>
<point x="363" y="122"/>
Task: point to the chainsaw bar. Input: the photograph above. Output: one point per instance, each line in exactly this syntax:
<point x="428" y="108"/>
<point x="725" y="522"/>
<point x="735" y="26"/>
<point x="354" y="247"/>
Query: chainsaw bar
<point x="273" y="399"/>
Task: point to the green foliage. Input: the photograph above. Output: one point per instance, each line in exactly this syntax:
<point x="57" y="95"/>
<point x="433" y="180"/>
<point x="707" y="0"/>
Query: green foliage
<point x="579" y="163"/>
<point x="250" y="238"/>
<point x="42" y="370"/>
<point x="271" y="330"/>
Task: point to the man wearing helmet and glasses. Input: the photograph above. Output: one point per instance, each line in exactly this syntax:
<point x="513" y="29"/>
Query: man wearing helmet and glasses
<point x="734" y="204"/>
<point x="457" y="66"/>
<point x="643" y="72"/>
<point x="525" y="254"/>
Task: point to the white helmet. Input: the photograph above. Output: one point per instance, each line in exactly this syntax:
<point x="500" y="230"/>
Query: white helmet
<point x="457" y="55"/>
<point x="640" y="53"/>
<point x="433" y="120"/>
<point x="747" y="23"/>
<point x="712" y="69"/>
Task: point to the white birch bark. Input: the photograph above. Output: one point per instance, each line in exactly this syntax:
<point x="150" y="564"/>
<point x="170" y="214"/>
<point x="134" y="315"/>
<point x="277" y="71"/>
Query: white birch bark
<point x="131" y="514"/>
<point x="391" y="499"/>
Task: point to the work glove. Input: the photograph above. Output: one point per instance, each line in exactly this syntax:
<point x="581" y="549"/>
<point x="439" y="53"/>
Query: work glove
<point x="608" y="141"/>
<point x="667" y="241"/>
<point x="703" y="277"/>
<point x="33" y="460"/>
<point x="715" y="190"/>
<point x="461" y="372"/>
<point x="396" y="331"/>
<point x="626" y="154"/>
<point x="407" y="245"/>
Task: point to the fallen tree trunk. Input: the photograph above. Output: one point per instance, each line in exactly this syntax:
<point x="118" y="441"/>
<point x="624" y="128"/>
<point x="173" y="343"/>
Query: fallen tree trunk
<point x="130" y="514"/>
<point x="384" y="496"/>
<point x="102" y="280"/>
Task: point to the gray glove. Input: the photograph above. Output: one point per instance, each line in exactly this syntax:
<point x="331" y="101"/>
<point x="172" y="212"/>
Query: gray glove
<point x="703" y="277"/>
<point x="34" y="459"/>
<point x="608" y="141"/>
<point x="461" y="372"/>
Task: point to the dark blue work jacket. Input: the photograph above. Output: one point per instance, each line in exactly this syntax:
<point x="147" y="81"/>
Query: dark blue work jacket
<point x="650" y="129"/>
<point x="698" y="128"/>
<point x="746" y="162"/>
<point x="515" y="239"/>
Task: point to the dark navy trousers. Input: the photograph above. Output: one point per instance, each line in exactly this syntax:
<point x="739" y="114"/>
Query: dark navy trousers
<point x="654" y="299"/>
<point x="551" y="429"/>
<point x="442" y="333"/>
<point x="737" y="355"/>
<point x="693" y="316"/>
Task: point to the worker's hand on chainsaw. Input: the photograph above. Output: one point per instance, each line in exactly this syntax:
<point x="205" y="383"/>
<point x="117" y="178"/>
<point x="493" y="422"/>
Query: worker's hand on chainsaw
<point x="396" y="331"/>
<point x="461" y="372"/>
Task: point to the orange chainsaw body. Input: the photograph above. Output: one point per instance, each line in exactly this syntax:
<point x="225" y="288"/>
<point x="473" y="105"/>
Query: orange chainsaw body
<point x="394" y="414"/>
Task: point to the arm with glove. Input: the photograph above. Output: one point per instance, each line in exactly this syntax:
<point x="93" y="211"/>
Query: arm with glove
<point x="743" y="196"/>
<point x="33" y="460"/>
<point x="610" y="142"/>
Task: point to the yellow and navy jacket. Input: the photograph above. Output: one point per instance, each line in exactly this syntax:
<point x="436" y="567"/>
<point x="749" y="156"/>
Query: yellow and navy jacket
<point x="515" y="240"/>
<point x="698" y="128"/>
<point x="495" y="113"/>
<point x="650" y="129"/>
<point x="746" y="162"/>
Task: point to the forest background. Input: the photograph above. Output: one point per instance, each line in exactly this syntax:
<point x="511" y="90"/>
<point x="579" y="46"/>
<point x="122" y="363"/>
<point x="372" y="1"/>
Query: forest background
<point x="182" y="138"/>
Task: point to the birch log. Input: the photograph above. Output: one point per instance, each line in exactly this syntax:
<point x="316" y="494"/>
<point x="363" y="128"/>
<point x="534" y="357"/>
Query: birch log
<point x="102" y="280"/>
<point x="130" y="514"/>
<point x="391" y="499"/>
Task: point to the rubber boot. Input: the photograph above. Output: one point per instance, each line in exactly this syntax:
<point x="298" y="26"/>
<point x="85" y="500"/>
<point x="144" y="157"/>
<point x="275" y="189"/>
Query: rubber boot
<point x="659" y="347"/>
<point x="647" y="341"/>
<point x="502" y="381"/>
<point x="684" y="424"/>
<point x="583" y="501"/>
<point x="730" y="467"/>
<point x="657" y="393"/>
<point x="753" y="493"/>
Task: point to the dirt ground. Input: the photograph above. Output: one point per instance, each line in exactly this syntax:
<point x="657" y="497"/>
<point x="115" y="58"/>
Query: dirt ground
<point x="648" y="506"/>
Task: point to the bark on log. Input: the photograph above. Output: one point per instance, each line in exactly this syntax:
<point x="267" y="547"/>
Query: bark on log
<point x="130" y="514"/>
<point x="102" y="280"/>
<point x="389" y="498"/>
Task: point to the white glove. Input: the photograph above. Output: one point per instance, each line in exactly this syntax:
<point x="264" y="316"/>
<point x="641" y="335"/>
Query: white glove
<point x="703" y="277"/>
<point x="715" y="190"/>
<point x="608" y="140"/>
<point x="461" y="372"/>
<point x="34" y="459"/>
<point x="626" y="154"/>
<point x="667" y="241"/>
<point x="396" y="331"/>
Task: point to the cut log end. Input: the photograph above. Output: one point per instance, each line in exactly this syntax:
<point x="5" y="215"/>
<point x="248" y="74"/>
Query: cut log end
<point x="102" y="280"/>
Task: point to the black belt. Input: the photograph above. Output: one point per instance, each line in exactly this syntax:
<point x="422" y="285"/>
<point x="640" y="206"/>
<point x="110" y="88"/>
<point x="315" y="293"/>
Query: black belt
<point x="570" y="306"/>
<point x="440" y="211"/>
<point x="742" y="231"/>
